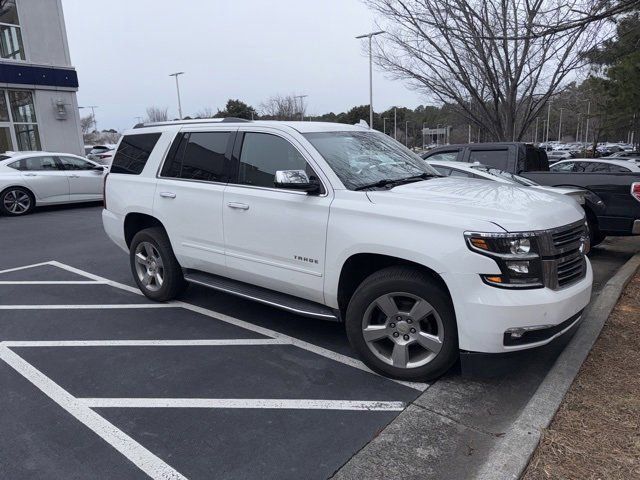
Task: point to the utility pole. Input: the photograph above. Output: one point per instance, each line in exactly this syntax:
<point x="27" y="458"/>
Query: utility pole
<point x="177" y="74"/>
<point x="548" y="118"/>
<point x="395" y="123"/>
<point x="560" y="126"/>
<point x="302" y="97"/>
<point x="370" y="36"/>
<point x="586" y="129"/>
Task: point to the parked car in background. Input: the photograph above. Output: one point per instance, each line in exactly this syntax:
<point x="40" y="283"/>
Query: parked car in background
<point x="600" y="165"/>
<point x="343" y="223"/>
<point x="620" y="192"/>
<point x="628" y="155"/>
<point x="592" y="204"/>
<point x="557" y="155"/>
<point x="103" y="154"/>
<point x="30" y="179"/>
<point x="514" y="157"/>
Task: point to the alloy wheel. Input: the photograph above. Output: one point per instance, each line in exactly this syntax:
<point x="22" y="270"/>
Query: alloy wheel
<point x="16" y="202"/>
<point x="149" y="266"/>
<point x="403" y="330"/>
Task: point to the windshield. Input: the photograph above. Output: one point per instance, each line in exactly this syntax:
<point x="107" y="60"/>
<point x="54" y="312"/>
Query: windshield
<point x="509" y="176"/>
<point x="364" y="158"/>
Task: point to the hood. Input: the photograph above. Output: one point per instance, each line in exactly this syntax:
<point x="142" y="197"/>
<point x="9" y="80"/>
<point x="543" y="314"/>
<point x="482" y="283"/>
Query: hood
<point x="513" y="208"/>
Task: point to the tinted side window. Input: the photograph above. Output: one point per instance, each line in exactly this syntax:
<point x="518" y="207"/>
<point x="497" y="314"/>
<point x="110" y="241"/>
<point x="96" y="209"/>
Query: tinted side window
<point x="562" y="167"/>
<point x="35" y="164"/>
<point x="444" y="156"/>
<point x="204" y="157"/>
<point x="460" y="173"/>
<point x="493" y="158"/>
<point x="442" y="170"/>
<point x="70" y="163"/>
<point x="618" y="169"/>
<point x="263" y="154"/>
<point x="133" y="153"/>
<point x="582" y="167"/>
<point x="596" y="167"/>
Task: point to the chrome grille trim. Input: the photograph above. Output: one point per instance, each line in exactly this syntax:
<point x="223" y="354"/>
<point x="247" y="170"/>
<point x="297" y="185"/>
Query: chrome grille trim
<point x="562" y="262"/>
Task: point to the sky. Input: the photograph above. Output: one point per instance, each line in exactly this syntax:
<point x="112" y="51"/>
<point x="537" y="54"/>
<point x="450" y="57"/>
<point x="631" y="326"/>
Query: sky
<point x="124" y="52"/>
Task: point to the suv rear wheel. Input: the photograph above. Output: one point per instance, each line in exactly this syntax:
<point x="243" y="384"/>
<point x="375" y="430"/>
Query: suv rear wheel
<point x="154" y="266"/>
<point x="402" y="324"/>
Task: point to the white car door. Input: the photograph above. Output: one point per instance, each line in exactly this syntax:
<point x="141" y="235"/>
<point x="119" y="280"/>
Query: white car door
<point x="85" y="181"/>
<point x="274" y="238"/>
<point x="189" y="193"/>
<point x="45" y="178"/>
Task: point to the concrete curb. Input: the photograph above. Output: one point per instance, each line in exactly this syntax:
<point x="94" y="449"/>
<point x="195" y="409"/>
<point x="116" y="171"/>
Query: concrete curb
<point x="510" y="457"/>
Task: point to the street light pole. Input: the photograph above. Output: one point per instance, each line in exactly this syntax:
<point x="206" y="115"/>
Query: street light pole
<point x="548" y="117"/>
<point x="586" y="128"/>
<point x="301" y="97"/>
<point x="406" y="133"/>
<point x="384" y="125"/>
<point x="93" y="115"/>
<point x="536" y="137"/>
<point x="370" y="36"/>
<point x="177" y="74"/>
<point x="560" y="126"/>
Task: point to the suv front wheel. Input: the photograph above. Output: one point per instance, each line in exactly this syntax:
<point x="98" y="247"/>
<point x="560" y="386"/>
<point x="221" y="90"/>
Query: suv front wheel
<point x="154" y="266"/>
<point x="402" y="324"/>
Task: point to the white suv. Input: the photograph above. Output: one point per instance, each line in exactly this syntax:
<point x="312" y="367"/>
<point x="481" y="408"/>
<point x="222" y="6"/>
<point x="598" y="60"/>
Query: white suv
<point x="342" y="223"/>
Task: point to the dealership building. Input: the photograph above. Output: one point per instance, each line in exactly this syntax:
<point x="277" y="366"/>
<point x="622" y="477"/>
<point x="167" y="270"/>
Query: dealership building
<point x="38" y="85"/>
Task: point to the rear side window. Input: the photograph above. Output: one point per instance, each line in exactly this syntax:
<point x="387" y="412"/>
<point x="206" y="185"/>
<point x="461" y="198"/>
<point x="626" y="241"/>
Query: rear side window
<point x="493" y="158"/>
<point x="35" y="164"/>
<point x="618" y="169"/>
<point x="199" y="156"/>
<point x="133" y="153"/>
<point x="443" y="156"/>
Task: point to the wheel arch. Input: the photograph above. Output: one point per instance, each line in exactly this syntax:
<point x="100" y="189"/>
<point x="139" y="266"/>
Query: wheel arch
<point x="135" y="221"/>
<point x="360" y="265"/>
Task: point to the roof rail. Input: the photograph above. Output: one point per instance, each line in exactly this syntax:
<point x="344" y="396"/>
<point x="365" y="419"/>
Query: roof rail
<point x="195" y="121"/>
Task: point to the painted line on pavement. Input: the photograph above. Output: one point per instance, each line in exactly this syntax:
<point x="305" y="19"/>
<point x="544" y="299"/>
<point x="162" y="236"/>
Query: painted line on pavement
<point x="251" y="403"/>
<point x="123" y="443"/>
<point x="146" y="343"/>
<point x="344" y="359"/>
<point x="51" y="282"/>
<point x="25" y="267"/>
<point x="87" y="307"/>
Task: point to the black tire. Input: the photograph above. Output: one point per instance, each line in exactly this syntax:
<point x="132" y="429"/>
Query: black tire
<point x="595" y="235"/>
<point x="173" y="283"/>
<point x="11" y="193"/>
<point x="397" y="281"/>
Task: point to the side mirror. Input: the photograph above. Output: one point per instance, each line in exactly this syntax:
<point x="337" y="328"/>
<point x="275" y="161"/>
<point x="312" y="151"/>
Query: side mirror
<point x="297" y="180"/>
<point x="98" y="168"/>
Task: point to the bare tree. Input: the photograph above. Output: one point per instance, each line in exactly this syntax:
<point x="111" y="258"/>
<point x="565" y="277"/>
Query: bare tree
<point x="157" y="114"/>
<point x="288" y="107"/>
<point x="86" y="124"/>
<point x="500" y="61"/>
<point x="206" y="112"/>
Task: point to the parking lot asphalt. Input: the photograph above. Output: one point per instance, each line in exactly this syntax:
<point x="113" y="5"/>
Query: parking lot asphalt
<point x="98" y="382"/>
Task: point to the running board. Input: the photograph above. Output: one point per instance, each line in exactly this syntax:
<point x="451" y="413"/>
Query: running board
<point x="275" y="299"/>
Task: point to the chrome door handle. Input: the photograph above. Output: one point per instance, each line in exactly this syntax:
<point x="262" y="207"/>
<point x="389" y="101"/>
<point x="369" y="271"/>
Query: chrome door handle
<point x="239" y="206"/>
<point x="168" y="194"/>
<point x="30" y="174"/>
<point x="74" y="176"/>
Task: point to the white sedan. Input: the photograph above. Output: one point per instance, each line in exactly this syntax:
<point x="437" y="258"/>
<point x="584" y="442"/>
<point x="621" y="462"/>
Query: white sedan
<point x="29" y="179"/>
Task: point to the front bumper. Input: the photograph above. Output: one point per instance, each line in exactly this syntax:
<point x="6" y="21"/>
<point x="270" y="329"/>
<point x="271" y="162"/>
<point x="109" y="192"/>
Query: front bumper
<point x="484" y="313"/>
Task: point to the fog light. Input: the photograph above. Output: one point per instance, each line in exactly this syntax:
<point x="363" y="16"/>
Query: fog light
<point x="516" y="332"/>
<point x="518" y="267"/>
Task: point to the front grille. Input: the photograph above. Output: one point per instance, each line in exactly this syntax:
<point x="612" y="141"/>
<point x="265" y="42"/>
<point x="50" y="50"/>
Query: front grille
<point x="570" y="269"/>
<point x="563" y="262"/>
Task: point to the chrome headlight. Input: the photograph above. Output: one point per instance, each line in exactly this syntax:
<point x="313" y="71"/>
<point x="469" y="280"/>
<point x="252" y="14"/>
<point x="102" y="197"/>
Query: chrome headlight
<point x="517" y="255"/>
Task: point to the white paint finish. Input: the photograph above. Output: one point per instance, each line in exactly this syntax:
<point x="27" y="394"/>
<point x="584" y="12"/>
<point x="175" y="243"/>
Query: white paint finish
<point x="251" y="403"/>
<point x="50" y="282"/>
<point x="88" y="307"/>
<point x="338" y="357"/>
<point x="147" y="343"/>
<point x="127" y="446"/>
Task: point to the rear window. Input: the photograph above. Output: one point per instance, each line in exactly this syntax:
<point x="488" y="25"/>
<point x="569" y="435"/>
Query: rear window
<point x="493" y="158"/>
<point x="133" y="153"/>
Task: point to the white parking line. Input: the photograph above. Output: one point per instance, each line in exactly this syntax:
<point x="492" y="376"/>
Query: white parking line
<point x="88" y="307"/>
<point x="51" y="282"/>
<point x="25" y="267"/>
<point x="338" y="357"/>
<point x="254" y="403"/>
<point x="147" y="343"/>
<point x="123" y="443"/>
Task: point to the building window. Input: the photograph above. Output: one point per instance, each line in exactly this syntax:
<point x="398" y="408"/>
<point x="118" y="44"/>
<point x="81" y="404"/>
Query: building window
<point x="18" y="123"/>
<point x="11" y="46"/>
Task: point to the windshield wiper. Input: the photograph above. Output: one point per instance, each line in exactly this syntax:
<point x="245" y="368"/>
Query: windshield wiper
<point x="385" y="182"/>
